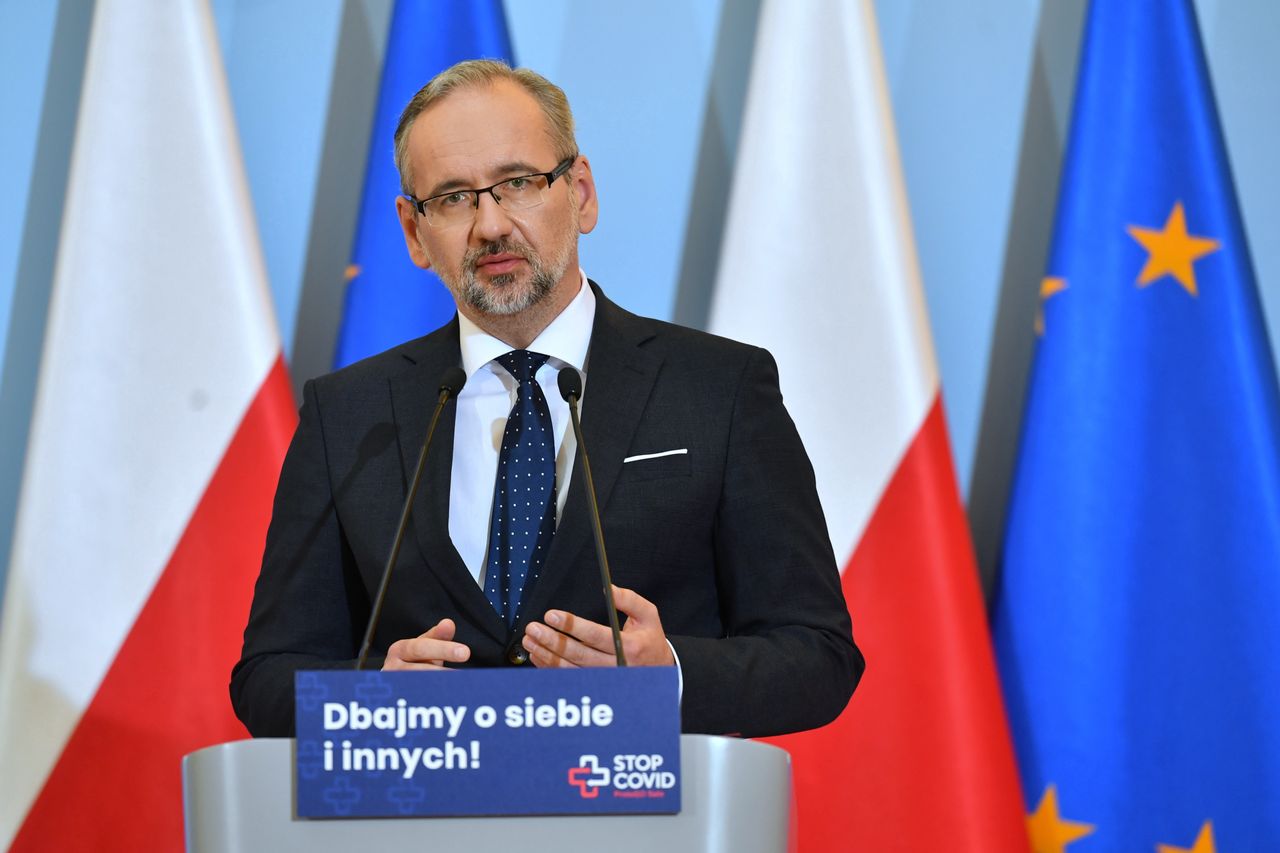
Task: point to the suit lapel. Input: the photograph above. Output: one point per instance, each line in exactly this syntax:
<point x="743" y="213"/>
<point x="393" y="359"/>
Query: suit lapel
<point x="620" y="376"/>
<point x="413" y="398"/>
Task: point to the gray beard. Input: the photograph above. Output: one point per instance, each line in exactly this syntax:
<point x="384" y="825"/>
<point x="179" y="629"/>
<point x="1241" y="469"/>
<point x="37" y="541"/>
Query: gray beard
<point x="497" y="301"/>
<point x="491" y="301"/>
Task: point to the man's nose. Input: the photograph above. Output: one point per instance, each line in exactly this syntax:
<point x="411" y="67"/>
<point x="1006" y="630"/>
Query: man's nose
<point x="492" y="222"/>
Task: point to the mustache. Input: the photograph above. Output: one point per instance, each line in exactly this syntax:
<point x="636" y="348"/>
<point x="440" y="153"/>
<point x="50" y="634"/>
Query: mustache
<point x="497" y="247"/>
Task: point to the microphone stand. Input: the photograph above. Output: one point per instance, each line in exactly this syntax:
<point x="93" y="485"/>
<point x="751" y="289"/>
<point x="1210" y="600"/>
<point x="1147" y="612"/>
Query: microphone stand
<point x="451" y="383"/>
<point x="571" y="389"/>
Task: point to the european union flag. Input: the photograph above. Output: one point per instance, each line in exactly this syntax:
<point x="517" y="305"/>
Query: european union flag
<point x="1137" y="622"/>
<point x="388" y="299"/>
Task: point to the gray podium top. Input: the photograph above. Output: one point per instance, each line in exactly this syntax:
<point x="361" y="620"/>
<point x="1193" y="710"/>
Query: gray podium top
<point x="736" y="796"/>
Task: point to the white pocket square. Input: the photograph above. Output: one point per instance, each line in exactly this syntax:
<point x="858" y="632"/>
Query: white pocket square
<point x="643" y="456"/>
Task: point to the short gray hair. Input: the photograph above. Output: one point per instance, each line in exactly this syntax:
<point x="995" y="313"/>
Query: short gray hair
<point x="486" y="72"/>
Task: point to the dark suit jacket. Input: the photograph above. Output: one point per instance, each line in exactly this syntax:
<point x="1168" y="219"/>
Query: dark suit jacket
<point x="727" y="540"/>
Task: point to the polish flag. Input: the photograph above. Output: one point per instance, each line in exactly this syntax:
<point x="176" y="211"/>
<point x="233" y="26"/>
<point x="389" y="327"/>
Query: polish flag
<point x="161" y="419"/>
<point x="819" y="266"/>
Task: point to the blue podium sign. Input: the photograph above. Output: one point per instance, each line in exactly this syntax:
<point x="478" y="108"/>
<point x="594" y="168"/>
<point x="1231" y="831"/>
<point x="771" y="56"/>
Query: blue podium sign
<point x="487" y="742"/>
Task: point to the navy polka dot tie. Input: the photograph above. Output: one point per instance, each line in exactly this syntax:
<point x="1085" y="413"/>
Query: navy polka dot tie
<point x="524" y="494"/>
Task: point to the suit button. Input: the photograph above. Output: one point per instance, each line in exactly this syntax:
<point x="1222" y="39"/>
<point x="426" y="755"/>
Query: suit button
<point x="516" y="654"/>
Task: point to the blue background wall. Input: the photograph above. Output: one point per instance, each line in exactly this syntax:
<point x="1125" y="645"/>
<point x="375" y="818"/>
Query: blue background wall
<point x="981" y="92"/>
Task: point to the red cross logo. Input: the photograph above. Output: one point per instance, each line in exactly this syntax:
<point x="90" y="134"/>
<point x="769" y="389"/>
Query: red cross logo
<point x="588" y="777"/>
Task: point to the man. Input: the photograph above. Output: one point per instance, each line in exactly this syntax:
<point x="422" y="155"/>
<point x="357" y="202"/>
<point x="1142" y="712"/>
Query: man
<point x="716" y="539"/>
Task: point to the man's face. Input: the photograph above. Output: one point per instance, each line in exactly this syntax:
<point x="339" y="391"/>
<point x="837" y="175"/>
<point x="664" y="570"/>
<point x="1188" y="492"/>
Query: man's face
<point x="503" y="262"/>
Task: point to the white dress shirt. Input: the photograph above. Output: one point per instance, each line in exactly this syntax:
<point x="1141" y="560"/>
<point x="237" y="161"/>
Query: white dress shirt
<point x="483" y="406"/>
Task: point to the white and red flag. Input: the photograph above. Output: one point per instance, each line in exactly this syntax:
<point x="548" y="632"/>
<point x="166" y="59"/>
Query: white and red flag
<point x="161" y="418"/>
<point x="819" y="266"/>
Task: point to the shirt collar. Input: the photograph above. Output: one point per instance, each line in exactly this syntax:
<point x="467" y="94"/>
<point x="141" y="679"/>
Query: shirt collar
<point x="566" y="339"/>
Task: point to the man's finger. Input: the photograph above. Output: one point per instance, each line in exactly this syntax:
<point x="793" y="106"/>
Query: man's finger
<point x="397" y="665"/>
<point x="590" y="633"/>
<point x="643" y="639"/>
<point x="548" y="647"/>
<point x="635" y="605"/>
<point x="442" y="630"/>
<point x="429" y="650"/>
<point x="542" y="657"/>
<point x="426" y="650"/>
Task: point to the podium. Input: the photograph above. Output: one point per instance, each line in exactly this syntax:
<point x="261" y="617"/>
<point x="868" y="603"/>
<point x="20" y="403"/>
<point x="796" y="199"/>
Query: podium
<point x="736" y="795"/>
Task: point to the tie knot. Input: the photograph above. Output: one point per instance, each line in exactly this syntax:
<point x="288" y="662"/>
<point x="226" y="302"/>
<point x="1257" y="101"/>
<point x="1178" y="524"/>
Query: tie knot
<point x="522" y="364"/>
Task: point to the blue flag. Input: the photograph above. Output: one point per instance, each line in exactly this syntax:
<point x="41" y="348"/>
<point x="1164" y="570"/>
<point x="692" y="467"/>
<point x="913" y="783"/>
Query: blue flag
<point x="1137" y="622"/>
<point x="388" y="299"/>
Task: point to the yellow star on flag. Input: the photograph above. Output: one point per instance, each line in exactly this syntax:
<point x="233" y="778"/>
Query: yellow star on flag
<point x="352" y="271"/>
<point x="1048" y="287"/>
<point x="1172" y="251"/>
<point x="1204" y="842"/>
<point x="1049" y="832"/>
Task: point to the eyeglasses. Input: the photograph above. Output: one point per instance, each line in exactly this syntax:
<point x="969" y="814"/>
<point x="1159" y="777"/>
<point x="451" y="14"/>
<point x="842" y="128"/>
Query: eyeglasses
<point x="458" y="207"/>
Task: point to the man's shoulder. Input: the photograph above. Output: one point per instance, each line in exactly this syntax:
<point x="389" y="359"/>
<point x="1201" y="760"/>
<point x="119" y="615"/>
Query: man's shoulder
<point x="376" y="370"/>
<point x="671" y="339"/>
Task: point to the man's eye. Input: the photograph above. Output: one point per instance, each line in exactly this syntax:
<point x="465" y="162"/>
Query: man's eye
<point x="518" y="183"/>
<point x="452" y="199"/>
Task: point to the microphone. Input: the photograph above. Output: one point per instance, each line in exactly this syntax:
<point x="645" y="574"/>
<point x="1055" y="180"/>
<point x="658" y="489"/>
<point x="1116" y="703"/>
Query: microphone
<point x="571" y="389"/>
<point x="451" y="382"/>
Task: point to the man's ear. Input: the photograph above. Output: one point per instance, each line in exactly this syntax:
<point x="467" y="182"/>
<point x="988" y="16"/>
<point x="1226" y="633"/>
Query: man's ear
<point x="409" y="217"/>
<point x="583" y="186"/>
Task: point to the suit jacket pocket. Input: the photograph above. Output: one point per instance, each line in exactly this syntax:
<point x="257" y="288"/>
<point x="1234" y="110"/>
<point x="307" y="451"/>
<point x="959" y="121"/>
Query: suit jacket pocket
<point x="657" y="467"/>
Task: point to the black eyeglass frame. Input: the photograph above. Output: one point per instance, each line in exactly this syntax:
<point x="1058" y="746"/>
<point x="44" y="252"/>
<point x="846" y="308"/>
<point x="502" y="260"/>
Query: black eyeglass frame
<point x="561" y="167"/>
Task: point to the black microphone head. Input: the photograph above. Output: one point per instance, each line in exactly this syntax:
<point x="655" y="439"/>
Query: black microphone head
<point x="570" y="383"/>
<point x="452" y="380"/>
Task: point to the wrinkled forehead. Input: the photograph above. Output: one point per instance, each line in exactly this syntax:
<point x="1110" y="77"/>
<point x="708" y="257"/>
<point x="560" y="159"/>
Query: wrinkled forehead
<point x="477" y="134"/>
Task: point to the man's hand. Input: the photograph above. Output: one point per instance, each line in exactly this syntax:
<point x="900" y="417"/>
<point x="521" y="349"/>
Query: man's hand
<point x="429" y="650"/>
<point x="568" y="640"/>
